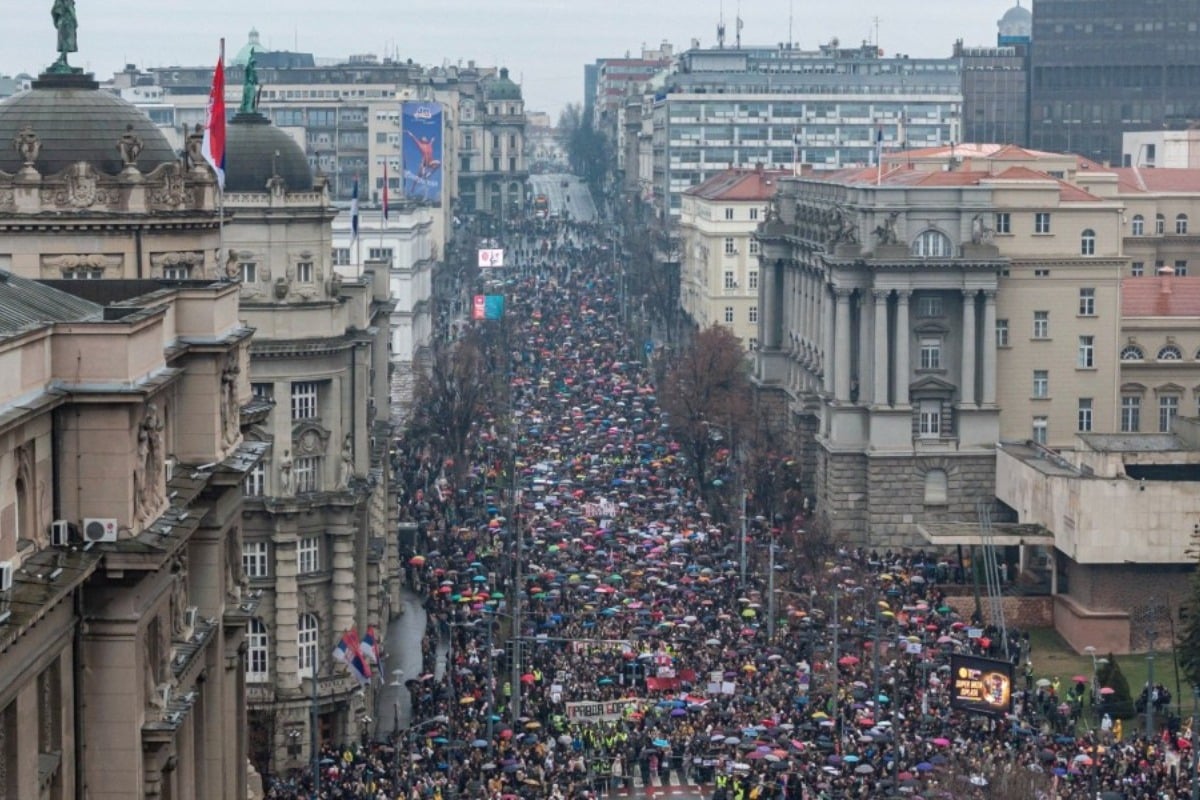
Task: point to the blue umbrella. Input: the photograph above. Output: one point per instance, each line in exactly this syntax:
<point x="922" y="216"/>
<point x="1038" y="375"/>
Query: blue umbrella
<point x="924" y="766"/>
<point x="660" y="743"/>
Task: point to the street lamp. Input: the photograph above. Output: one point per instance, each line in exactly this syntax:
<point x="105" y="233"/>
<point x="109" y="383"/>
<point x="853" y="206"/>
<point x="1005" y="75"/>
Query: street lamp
<point x="397" y="683"/>
<point x="1096" y="664"/>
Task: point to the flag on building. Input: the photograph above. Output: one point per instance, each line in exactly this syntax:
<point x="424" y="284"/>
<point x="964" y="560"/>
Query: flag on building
<point x="385" y="194"/>
<point x="354" y="211"/>
<point x="347" y="646"/>
<point x="359" y="667"/>
<point x="213" y="145"/>
<point x="368" y="646"/>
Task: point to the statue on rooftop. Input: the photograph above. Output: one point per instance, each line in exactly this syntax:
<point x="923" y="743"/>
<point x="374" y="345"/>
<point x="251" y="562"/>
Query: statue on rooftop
<point x="67" y="25"/>
<point x="250" y="86"/>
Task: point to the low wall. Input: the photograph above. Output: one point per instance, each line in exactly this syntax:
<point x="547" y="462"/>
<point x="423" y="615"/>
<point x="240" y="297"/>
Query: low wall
<point x="1107" y="631"/>
<point x="1019" y="612"/>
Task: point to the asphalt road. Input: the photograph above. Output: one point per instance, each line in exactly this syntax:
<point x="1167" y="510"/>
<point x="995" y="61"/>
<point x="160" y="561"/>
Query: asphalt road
<point x="572" y="197"/>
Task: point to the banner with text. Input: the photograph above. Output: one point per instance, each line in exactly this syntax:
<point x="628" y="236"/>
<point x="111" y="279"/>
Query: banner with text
<point x="982" y="685"/>
<point x="421" y="151"/>
<point x="490" y="258"/>
<point x="598" y="710"/>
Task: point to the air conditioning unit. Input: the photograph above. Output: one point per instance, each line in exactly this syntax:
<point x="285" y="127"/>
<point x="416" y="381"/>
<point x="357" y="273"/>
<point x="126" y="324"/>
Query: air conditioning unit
<point x="60" y="533"/>
<point x="6" y="576"/>
<point x="99" y="530"/>
<point x="169" y="468"/>
<point x="189" y="618"/>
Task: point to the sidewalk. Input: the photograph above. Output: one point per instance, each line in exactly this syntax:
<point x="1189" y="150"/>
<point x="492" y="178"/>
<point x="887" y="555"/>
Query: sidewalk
<point x="404" y="652"/>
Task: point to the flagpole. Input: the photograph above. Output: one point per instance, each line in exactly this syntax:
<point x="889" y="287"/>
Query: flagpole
<point x="221" y="257"/>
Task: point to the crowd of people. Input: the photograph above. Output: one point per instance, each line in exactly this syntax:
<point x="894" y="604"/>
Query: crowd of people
<point x="643" y="656"/>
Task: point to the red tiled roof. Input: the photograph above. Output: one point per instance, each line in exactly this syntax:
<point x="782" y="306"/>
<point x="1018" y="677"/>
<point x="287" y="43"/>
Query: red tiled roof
<point x="1066" y="191"/>
<point x="740" y="184"/>
<point x="1159" y="179"/>
<point x="1144" y="297"/>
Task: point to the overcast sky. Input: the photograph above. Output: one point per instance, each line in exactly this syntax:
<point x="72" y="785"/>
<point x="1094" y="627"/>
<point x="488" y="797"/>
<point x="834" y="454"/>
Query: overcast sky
<point x="545" y="43"/>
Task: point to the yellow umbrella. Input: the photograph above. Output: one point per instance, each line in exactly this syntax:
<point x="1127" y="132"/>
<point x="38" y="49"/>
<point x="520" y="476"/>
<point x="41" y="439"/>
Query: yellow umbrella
<point x="749" y="612"/>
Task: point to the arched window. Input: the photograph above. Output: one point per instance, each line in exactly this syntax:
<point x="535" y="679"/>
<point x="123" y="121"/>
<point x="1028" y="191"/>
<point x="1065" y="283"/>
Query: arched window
<point x="1087" y="242"/>
<point x="1160" y="224"/>
<point x="306" y="645"/>
<point x="936" y="489"/>
<point x="1132" y="353"/>
<point x="1181" y="223"/>
<point x="1170" y="353"/>
<point x="257" y="652"/>
<point x="933" y="244"/>
<point x="1139" y="225"/>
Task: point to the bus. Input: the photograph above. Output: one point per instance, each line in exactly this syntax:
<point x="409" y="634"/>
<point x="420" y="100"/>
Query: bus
<point x="541" y="206"/>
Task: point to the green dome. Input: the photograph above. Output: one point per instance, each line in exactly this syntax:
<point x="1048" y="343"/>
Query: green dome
<point x="501" y="88"/>
<point x="256" y="150"/>
<point x="243" y="56"/>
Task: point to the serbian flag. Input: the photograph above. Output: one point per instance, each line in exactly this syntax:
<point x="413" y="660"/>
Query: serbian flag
<point x="368" y="647"/>
<point x="213" y="146"/>
<point x="354" y="211"/>
<point x="385" y="194"/>
<point x="359" y="668"/>
<point x="347" y="647"/>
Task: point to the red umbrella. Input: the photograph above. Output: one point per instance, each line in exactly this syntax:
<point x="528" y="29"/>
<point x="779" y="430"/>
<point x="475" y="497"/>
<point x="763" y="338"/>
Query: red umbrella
<point x="848" y="661"/>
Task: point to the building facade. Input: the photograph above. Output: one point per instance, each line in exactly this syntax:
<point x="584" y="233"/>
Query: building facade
<point x="121" y="460"/>
<point x="316" y="522"/>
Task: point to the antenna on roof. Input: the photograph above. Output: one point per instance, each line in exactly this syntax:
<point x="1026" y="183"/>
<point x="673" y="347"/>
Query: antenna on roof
<point x="721" y="28"/>
<point x="791" y="9"/>
<point x="738" y="28"/>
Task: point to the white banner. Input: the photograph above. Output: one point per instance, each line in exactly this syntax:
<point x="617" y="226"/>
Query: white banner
<point x="491" y="257"/>
<point x="597" y="710"/>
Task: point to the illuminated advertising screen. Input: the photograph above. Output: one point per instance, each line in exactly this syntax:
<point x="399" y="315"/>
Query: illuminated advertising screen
<point x="421" y="151"/>
<point x="487" y="307"/>
<point x="491" y="258"/>
<point x="981" y="685"/>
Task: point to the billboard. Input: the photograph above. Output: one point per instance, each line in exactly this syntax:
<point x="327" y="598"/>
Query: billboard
<point x="982" y="685"/>
<point x="487" y="306"/>
<point x="491" y="258"/>
<point x="421" y="151"/>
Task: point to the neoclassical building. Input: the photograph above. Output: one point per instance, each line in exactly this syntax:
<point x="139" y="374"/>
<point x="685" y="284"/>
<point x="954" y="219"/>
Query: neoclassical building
<point x="126" y="366"/>
<point x="317" y="508"/>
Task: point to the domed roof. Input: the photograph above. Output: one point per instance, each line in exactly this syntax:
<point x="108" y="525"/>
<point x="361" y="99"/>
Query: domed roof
<point x="502" y="88"/>
<point x="255" y="151"/>
<point x="251" y="46"/>
<point x="1017" y="21"/>
<point x="75" y="121"/>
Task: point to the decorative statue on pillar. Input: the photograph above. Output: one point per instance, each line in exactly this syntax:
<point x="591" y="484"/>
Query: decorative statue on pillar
<point x="230" y="411"/>
<point x="250" y="86"/>
<point x="149" y="460"/>
<point x="28" y="146"/>
<point x="130" y="147"/>
<point x="346" y="465"/>
<point x="195" y="148"/>
<point x="67" y="25"/>
<point x="885" y="233"/>
<point x="286" y="485"/>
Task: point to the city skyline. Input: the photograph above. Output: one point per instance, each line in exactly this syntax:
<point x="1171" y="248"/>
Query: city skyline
<point x="538" y="40"/>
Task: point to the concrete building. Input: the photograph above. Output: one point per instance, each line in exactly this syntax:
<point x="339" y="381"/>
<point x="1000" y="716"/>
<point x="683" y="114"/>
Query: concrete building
<point x="1102" y="68"/>
<point x="779" y="107"/>
<point x="316" y="522"/>
<point x="1169" y="149"/>
<point x="719" y="266"/>
<point x="121" y="460"/>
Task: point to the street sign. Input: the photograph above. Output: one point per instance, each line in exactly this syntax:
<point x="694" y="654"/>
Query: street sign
<point x="649" y="346"/>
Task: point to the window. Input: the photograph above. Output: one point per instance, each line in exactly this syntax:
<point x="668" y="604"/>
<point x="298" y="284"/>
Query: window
<point x="1041" y="428"/>
<point x="729" y="213"/>
<point x="754" y="213"/>
<point x="1085" y="414"/>
<point x="306" y="472"/>
<point x="1170" y="353"/>
<point x="1131" y="352"/>
<point x="1041" y="383"/>
<point x="1041" y="324"/>
<point x="730" y="283"/>
<point x="729" y="248"/>
<point x="263" y="391"/>
<point x="341" y="256"/>
<point x="1168" y="409"/>
<point x="752" y="315"/>
<point x="1087" y="243"/>
<point x="753" y="343"/>
<point x="1181" y="223"/>
<point x="1160" y="224"/>
<point x="752" y="275"/>
<point x="304" y="400"/>
<point x="83" y="274"/>
<point x="255" y="482"/>
<point x="729" y="315"/>
<point x="1137" y="269"/>
<point x="380" y="254"/>
<point x="931" y="354"/>
<point x="936" y="490"/>
<point x="254" y="559"/>
<point x="933" y="244"/>
<point x="1041" y="222"/>
<point x="929" y="421"/>
<point x="1087" y="302"/>
<point x="304" y="272"/>
<point x="249" y="271"/>
<point x="1181" y="268"/>
<point x="257" y="652"/>
<point x="1041" y="273"/>
<point x="307" y="632"/>
<point x="1131" y="414"/>
<point x="1138" y="225"/>
<point x="929" y="306"/>
<point x="1001" y="333"/>
<point x="754" y="247"/>
<point x="1087" y="352"/>
<point x="177" y="272"/>
<point x="1003" y="222"/>
<point x="308" y="555"/>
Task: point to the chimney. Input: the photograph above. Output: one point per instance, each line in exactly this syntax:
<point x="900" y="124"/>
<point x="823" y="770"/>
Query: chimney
<point x="1165" y="274"/>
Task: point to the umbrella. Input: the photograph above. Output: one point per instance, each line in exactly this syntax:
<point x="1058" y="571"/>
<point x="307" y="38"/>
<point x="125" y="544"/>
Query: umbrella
<point x="1107" y="690"/>
<point x="480" y="743"/>
<point x="1043" y="683"/>
<point x="864" y="769"/>
<point x="466" y="700"/>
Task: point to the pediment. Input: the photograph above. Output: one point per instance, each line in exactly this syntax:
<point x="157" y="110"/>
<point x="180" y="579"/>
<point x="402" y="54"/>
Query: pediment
<point x="931" y="327"/>
<point x="931" y="385"/>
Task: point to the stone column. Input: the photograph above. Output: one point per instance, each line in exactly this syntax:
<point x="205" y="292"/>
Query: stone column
<point x="865" y="350"/>
<point x="341" y="558"/>
<point x="967" y="379"/>
<point x="880" y="390"/>
<point x="901" y="370"/>
<point x="827" y="358"/>
<point x="772" y="283"/>
<point x="286" y="657"/>
<point x="841" y="342"/>
<point x="989" y="347"/>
